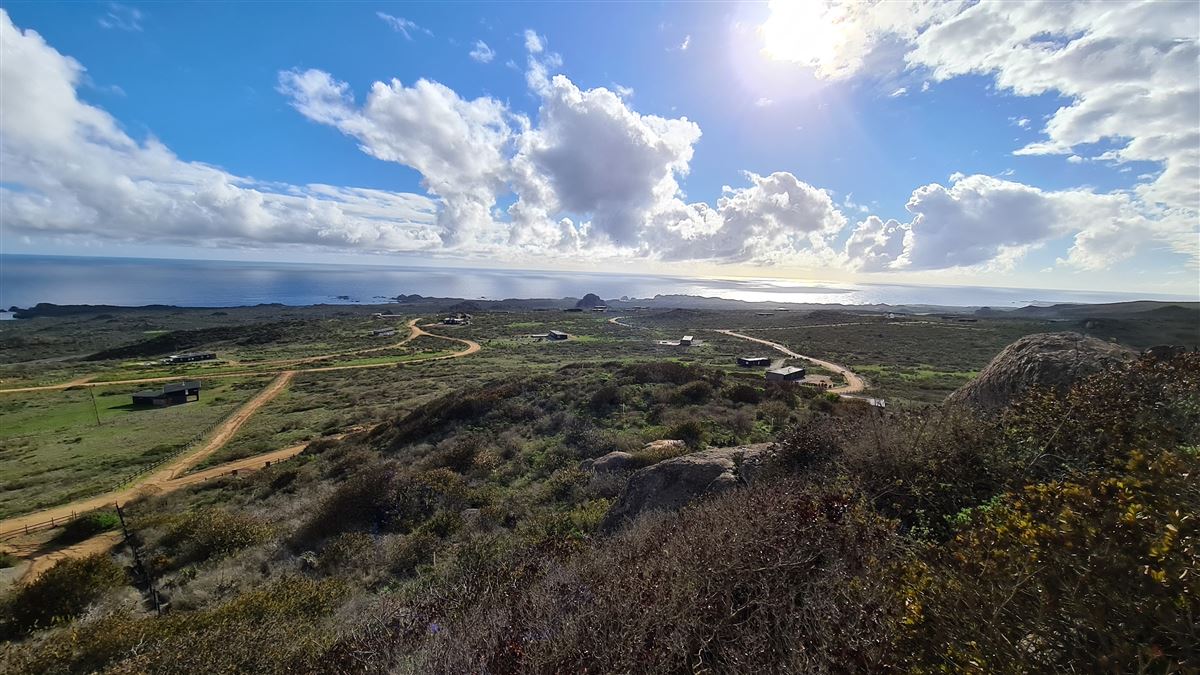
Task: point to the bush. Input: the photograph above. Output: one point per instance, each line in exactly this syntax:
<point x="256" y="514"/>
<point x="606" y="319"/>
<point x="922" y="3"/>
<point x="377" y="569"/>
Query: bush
<point x="693" y="393"/>
<point x="768" y="579"/>
<point x="87" y="526"/>
<point x="743" y="393"/>
<point x="690" y="432"/>
<point x="605" y="399"/>
<point x="1097" y="574"/>
<point x="211" y="533"/>
<point x="282" y="627"/>
<point x="62" y="592"/>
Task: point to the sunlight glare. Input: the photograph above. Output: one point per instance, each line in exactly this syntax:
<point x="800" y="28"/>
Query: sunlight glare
<point x="801" y="31"/>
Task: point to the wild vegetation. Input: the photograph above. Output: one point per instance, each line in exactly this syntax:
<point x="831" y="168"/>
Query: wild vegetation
<point x="465" y="536"/>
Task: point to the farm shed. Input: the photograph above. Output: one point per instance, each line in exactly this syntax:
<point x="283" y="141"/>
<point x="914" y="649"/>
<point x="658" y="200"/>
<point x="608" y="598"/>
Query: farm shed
<point x="752" y="361"/>
<point x="556" y="335"/>
<point x="190" y="357"/>
<point x="173" y="393"/>
<point x="786" y="374"/>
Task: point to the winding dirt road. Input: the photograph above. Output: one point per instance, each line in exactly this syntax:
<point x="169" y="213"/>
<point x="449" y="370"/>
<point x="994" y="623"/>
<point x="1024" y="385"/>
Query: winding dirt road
<point x="854" y="383"/>
<point x="471" y="348"/>
<point x="220" y="436"/>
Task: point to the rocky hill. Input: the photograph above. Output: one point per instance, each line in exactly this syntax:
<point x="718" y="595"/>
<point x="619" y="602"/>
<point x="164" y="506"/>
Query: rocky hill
<point x="1052" y="360"/>
<point x="589" y="301"/>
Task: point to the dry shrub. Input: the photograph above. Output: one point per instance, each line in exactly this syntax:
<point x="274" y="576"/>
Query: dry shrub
<point x="211" y="533"/>
<point x="771" y="578"/>
<point x="280" y="628"/>
<point x="61" y="593"/>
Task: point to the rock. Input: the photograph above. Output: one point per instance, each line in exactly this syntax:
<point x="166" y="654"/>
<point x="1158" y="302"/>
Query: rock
<point x="672" y="483"/>
<point x="1051" y="360"/>
<point x="589" y="301"/>
<point x="613" y="461"/>
<point x="1164" y="352"/>
<point x="665" y="446"/>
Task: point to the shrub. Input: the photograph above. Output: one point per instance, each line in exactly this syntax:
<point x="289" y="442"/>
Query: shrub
<point x="693" y="392"/>
<point x="282" y="627"/>
<point x="743" y="393"/>
<point x="86" y="526"/>
<point x="605" y="399"/>
<point x="769" y="579"/>
<point x="62" y="592"/>
<point x="210" y="533"/>
<point x="1096" y="574"/>
<point x="690" y="432"/>
<point x="345" y="550"/>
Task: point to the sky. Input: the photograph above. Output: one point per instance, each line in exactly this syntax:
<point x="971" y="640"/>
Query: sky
<point x="1021" y="144"/>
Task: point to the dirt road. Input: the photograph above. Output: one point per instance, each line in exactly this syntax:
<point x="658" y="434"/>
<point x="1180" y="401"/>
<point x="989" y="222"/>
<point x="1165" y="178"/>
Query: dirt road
<point x="854" y="383"/>
<point x="220" y="436"/>
<point x="216" y="441"/>
<point x="472" y="347"/>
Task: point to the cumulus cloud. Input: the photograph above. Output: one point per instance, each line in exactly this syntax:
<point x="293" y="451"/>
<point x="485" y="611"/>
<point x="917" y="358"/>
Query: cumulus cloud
<point x="459" y="146"/>
<point x="982" y="220"/>
<point x="1131" y="71"/>
<point x="69" y="170"/>
<point x="482" y="52"/>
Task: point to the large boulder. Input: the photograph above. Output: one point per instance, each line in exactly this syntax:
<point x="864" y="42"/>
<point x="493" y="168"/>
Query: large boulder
<point x="613" y="461"/>
<point x="1048" y="360"/>
<point x="672" y="483"/>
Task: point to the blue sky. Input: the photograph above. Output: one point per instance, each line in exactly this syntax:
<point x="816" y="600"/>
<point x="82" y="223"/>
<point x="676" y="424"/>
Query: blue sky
<point x="840" y="135"/>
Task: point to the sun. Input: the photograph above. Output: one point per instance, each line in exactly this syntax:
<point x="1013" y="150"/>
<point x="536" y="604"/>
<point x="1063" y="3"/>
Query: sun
<point x="801" y="31"/>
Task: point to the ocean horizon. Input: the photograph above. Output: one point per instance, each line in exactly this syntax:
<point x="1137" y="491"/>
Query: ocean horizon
<point x="26" y="280"/>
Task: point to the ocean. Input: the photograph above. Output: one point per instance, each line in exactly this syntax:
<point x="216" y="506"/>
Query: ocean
<point x="26" y="280"/>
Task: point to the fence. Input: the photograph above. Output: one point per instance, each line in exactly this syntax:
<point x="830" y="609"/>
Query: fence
<point x="30" y="528"/>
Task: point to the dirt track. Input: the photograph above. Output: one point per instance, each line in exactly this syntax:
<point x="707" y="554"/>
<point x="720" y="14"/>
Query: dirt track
<point x="854" y="383"/>
<point x="173" y="476"/>
<point x="472" y="347"/>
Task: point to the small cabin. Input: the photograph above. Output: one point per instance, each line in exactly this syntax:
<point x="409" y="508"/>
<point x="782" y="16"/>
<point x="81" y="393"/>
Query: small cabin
<point x="190" y="357"/>
<point x="383" y="332"/>
<point x="753" y="361"/>
<point x="556" y="335"/>
<point x="174" y="393"/>
<point x="686" y="340"/>
<point x="786" y="374"/>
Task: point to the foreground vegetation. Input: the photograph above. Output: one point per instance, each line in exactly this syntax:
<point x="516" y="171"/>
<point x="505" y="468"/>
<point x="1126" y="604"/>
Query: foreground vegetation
<point x="465" y="536"/>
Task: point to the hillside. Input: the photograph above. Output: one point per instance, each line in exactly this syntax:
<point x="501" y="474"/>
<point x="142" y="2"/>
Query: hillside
<point x="495" y="528"/>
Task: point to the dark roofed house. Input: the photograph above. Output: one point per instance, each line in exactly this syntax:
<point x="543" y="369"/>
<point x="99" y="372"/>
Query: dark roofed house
<point x="752" y="361"/>
<point x="190" y="357"/>
<point x="173" y="393"/>
<point x="556" y="335"/>
<point x="786" y="374"/>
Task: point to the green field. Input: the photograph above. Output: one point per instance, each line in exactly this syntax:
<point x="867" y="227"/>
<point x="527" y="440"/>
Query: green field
<point x="56" y="446"/>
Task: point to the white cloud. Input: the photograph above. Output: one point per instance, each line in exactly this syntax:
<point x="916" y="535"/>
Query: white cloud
<point x="459" y="146"/>
<point x="70" y="171"/>
<point x="482" y="52"/>
<point x="534" y="43"/>
<point x="1131" y="71"/>
<point x="623" y="91"/>
<point x="687" y="42"/>
<point x="898" y="92"/>
<point x="764" y="102"/>
<point x="122" y="17"/>
<point x="402" y="25"/>
<point x="981" y="220"/>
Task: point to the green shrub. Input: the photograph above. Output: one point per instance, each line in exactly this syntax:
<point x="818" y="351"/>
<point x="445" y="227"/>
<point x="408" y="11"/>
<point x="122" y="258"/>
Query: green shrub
<point x="743" y="393"/>
<point x="689" y="431"/>
<point x="1096" y="574"/>
<point x="62" y="592"/>
<point x="693" y="393"/>
<point x="87" y="526"/>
